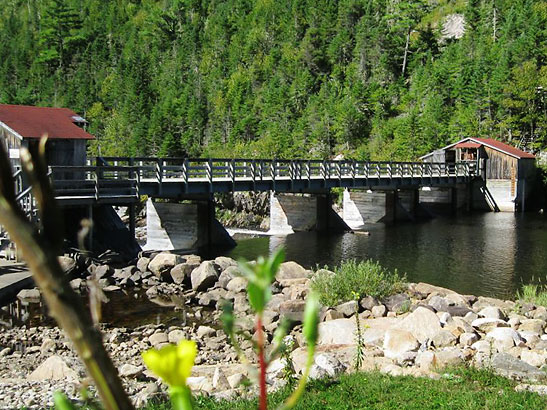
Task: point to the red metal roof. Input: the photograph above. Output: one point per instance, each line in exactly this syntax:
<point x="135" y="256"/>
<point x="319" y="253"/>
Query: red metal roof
<point x="34" y="122"/>
<point x="467" y="145"/>
<point x="500" y="146"/>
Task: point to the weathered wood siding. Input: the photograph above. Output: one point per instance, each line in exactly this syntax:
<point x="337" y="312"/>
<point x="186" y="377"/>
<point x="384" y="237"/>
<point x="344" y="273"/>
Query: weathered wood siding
<point x="500" y="165"/>
<point x="10" y="141"/>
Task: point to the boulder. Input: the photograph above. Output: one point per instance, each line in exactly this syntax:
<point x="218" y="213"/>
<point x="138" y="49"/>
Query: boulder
<point x="223" y="262"/>
<point x="181" y="273"/>
<point x="397" y="342"/>
<point x="504" y="338"/>
<point x="467" y="339"/>
<point x="398" y="302"/>
<point x="449" y="356"/>
<point x="443" y="338"/>
<point x="379" y="311"/>
<point x="29" y="294"/>
<point x="204" y="277"/>
<point x="534" y="358"/>
<point x="337" y="332"/>
<point x="331" y="315"/>
<point x="227" y="275"/>
<point x="348" y="309"/>
<point x="487" y="324"/>
<point x="483" y="302"/>
<point x="292" y="309"/>
<point x="509" y="366"/>
<point x="130" y="371"/>
<point x="237" y="284"/>
<point x="162" y="264"/>
<point x="68" y="265"/>
<point x="142" y="264"/>
<point x="54" y="368"/>
<point x="438" y="303"/>
<point x="492" y="312"/>
<point x="368" y="302"/>
<point x="158" y="338"/>
<point x="176" y="335"/>
<point x="326" y="365"/>
<point x="422" y="323"/>
<point x="427" y="289"/>
<point x="532" y="326"/>
<point x="291" y="270"/>
<point x="102" y="271"/>
<point x="205" y="331"/>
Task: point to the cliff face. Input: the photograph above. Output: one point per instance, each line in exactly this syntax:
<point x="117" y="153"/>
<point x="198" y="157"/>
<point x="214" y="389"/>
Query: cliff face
<point x="367" y="79"/>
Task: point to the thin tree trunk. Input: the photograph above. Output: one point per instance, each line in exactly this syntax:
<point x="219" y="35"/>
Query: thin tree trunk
<point x="406" y="50"/>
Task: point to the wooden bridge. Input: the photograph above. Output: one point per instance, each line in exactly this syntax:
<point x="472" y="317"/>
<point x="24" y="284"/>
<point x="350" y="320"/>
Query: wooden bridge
<point x="122" y="180"/>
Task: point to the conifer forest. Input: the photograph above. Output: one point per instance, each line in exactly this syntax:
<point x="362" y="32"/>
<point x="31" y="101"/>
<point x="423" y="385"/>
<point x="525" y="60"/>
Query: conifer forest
<point x="369" y="79"/>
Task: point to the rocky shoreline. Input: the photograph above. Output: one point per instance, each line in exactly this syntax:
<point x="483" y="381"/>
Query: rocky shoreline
<point x="416" y="333"/>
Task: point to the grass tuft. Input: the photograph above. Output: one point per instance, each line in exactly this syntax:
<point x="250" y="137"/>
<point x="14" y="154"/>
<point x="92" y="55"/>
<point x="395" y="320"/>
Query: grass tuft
<point x="536" y="294"/>
<point x="365" y="278"/>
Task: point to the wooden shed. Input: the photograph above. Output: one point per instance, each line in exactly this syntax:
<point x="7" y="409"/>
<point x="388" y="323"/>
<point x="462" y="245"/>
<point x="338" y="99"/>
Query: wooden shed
<point x="22" y="125"/>
<point x="508" y="171"/>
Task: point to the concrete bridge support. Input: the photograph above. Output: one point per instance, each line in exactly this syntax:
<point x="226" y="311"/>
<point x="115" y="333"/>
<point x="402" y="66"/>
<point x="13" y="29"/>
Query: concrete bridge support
<point x="291" y="213"/>
<point x="184" y="226"/>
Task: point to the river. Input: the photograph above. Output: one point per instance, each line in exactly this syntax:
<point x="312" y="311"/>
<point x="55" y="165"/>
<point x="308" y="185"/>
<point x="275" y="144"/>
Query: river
<point x="490" y="254"/>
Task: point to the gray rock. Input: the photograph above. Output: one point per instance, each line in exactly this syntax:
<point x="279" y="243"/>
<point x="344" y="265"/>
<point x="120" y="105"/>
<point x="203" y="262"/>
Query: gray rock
<point x="292" y="309"/>
<point x="397" y="302"/>
<point x="487" y="324"/>
<point x="162" y="264"/>
<point x="422" y="323"/>
<point x="291" y="270"/>
<point x="467" y="339"/>
<point x="176" y="336"/>
<point x="331" y="315"/>
<point x="438" y="303"/>
<point x="492" y="312"/>
<point x="54" y="368"/>
<point x="534" y="358"/>
<point x="102" y="271"/>
<point x="459" y="311"/>
<point x="29" y="294"/>
<point x="158" y="338"/>
<point x="348" y="309"/>
<point x="379" y="311"/>
<point x="337" y="332"/>
<point x="142" y="264"/>
<point x="509" y="366"/>
<point x="227" y="275"/>
<point x="397" y="342"/>
<point x="224" y="262"/>
<point x="68" y="265"/>
<point x="181" y="272"/>
<point x="326" y="365"/>
<point x="205" y="331"/>
<point x="532" y="326"/>
<point x="130" y="371"/>
<point x="443" y="339"/>
<point x="237" y="284"/>
<point x="368" y="302"/>
<point x="204" y="277"/>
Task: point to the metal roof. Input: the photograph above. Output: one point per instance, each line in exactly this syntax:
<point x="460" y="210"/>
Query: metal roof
<point x="34" y="122"/>
<point x="491" y="143"/>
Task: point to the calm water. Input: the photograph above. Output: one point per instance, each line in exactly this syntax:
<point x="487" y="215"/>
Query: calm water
<point x="483" y="254"/>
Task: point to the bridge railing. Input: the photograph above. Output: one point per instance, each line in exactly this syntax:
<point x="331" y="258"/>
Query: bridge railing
<point x="219" y="169"/>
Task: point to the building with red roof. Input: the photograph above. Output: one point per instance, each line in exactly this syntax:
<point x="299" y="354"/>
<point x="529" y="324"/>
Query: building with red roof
<point x="508" y="172"/>
<point x="23" y="125"/>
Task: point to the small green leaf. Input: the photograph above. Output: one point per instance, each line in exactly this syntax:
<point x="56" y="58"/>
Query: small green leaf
<point x="62" y="402"/>
<point x="311" y="319"/>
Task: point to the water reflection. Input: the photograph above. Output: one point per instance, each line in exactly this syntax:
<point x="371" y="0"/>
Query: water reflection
<point x="486" y="254"/>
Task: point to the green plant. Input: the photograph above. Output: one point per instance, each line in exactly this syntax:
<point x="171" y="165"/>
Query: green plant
<point x="259" y="279"/>
<point x="365" y="278"/>
<point x="360" y="344"/>
<point x="533" y="293"/>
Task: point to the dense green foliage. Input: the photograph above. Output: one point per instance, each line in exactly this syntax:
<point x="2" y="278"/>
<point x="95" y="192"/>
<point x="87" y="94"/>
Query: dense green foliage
<point x="367" y="78"/>
<point x="536" y="294"/>
<point x="364" y="278"/>
<point x="461" y="389"/>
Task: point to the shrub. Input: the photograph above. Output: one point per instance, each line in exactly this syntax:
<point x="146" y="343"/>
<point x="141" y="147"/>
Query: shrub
<point x="365" y="278"/>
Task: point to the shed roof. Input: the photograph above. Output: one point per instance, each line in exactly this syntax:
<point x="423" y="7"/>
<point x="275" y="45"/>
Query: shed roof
<point x="491" y="143"/>
<point x="33" y="122"/>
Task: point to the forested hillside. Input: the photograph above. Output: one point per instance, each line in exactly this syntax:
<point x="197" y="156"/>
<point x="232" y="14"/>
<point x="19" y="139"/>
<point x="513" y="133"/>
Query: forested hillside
<point x="372" y="79"/>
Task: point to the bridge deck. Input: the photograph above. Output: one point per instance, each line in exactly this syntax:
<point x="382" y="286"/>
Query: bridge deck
<point x="118" y="180"/>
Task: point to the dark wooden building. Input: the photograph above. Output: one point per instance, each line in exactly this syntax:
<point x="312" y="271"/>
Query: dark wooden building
<point x="22" y="125"/>
<point x="508" y="171"/>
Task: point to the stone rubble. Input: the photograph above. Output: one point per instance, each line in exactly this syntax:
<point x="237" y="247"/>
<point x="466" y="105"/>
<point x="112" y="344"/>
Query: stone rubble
<point x="414" y="333"/>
